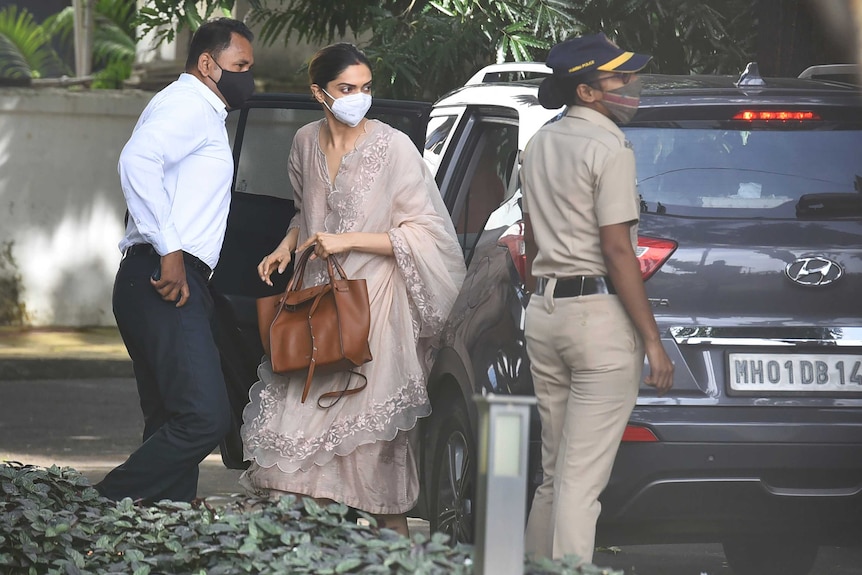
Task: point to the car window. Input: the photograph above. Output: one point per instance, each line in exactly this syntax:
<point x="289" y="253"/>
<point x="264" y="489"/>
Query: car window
<point x="437" y="138"/>
<point x="268" y="135"/>
<point x="439" y="129"/>
<point x="488" y="167"/>
<point x="760" y="173"/>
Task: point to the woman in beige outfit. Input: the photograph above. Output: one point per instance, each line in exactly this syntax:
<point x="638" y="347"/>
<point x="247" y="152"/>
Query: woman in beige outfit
<point x="362" y="191"/>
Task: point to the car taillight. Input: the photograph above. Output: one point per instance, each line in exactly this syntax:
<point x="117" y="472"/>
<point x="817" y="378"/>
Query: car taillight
<point x="513" y="240"/>
<point x="775" y="116"/>
<point x="638" y="434"/>
<point x="652" y="253"/>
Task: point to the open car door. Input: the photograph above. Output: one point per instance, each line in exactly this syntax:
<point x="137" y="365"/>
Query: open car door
<point x="261" y="208"/>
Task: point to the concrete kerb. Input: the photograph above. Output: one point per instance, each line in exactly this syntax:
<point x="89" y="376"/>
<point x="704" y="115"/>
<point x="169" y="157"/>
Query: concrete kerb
<point x="62" y="353"/>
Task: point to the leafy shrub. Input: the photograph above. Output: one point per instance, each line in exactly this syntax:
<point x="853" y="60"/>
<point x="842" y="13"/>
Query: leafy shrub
<point x="53" y="521"/>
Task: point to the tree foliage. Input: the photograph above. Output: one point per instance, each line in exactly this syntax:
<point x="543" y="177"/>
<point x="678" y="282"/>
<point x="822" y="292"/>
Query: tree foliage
<point x="165" y="18"/>
<point x="30" y="50"/>
<point x="114" y="39"/>
<point x="683" y="36"/>
<point x="423" y="48"/>
<point x="25" y="47"/>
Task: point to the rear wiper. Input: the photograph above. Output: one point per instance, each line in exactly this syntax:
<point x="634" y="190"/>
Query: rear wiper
<point x="829" y="205"/>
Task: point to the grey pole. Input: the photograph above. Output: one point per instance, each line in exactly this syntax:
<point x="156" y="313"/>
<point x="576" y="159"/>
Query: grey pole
<point x="501" y="502"/>
<point x="83" y="25"/>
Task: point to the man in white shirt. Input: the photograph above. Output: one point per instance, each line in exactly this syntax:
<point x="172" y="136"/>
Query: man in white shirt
<point x="176" y="172"/>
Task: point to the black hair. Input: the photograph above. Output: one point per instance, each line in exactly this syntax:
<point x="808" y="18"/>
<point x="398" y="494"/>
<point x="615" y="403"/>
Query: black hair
<point x="214" y="37"/>
<point x="558" y="91"/>
<point x="329" y="62"/>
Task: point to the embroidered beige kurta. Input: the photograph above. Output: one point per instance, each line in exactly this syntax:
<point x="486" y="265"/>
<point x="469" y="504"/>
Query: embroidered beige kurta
<point x="357" y="451"/>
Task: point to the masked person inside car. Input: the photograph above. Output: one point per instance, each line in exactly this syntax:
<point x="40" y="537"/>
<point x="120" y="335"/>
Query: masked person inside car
<point x="588" y="322"/>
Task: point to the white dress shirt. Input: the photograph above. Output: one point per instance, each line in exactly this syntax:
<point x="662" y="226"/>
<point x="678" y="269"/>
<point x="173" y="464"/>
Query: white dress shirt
<point x="176" y="171"/>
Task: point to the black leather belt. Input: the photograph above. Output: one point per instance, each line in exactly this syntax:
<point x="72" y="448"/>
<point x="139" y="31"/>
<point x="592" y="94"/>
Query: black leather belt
<point x="193" y="262"/>
<point x="578" y="286"/>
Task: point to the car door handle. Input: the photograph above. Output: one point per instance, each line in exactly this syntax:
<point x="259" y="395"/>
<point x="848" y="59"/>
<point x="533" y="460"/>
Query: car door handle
<point x="813" y="491"/>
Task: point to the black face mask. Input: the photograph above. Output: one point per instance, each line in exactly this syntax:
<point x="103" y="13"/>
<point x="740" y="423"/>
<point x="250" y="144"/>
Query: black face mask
<point x="236" y="87"/>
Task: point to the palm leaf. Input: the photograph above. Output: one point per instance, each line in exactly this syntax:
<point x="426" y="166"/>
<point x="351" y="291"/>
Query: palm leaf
<point x="111" y="44"/>
<point x="12" y="61"/>
<point x="113" y="38"/>
<point x="26" y="50"/>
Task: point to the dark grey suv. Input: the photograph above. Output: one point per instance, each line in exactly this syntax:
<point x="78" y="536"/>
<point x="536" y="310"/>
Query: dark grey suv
<point x="751" y="245"/>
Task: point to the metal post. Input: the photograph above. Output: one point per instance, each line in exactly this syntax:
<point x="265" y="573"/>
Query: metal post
<point x="83" y="37"/>
<point x="501" y="502"/>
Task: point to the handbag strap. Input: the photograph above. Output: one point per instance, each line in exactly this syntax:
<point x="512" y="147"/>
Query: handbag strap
<point x="313" y="361"/>
<point x="299" y="269"/>
<point x="332" y="265"/>
<point x="346" y="391"/>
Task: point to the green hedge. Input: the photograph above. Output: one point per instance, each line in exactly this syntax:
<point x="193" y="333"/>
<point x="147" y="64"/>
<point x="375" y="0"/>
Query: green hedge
<point x="53" y="521"/>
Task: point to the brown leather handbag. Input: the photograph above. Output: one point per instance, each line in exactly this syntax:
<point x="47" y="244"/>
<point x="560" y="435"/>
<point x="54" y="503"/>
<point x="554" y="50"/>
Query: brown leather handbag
<point x="322" y="328"/>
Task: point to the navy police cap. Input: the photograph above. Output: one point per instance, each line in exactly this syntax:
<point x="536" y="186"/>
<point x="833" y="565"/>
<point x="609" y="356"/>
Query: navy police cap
<point x="595" y="52"/>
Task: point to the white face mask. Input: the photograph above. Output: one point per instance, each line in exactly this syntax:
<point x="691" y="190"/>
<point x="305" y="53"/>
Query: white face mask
<point x="349" y="109"/>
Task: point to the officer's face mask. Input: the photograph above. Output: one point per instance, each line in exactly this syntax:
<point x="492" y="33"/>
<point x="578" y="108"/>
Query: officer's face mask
<point x="623" y="102"/>
<point x="236" y="87"/>
<point x="349" y="109"/>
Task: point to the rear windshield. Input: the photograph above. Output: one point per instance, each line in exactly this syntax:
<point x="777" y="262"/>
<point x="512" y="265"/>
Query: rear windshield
<point x="740" y="173"/>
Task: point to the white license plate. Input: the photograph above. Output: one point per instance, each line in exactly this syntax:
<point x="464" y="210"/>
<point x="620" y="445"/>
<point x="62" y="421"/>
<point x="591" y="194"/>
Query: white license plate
<point x="799" y="372"/>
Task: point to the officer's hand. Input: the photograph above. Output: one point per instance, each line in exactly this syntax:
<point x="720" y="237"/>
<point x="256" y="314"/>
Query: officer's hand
<point x="660" y="368"/>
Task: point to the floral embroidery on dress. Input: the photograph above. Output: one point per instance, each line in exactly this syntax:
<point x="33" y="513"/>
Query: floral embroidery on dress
<point x="346" y="208"/>
<point x="430" y="314"/>
<point x="297" y="448"/>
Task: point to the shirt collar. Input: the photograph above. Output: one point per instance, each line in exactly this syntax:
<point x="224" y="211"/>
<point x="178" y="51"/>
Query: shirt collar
<point x="595" y="117"/>
<point x="209" y="95"/>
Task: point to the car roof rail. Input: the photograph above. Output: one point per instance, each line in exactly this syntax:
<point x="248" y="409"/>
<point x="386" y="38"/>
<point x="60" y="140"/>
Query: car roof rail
<point x="814" y="72"/>
<point x="492" y="72"/>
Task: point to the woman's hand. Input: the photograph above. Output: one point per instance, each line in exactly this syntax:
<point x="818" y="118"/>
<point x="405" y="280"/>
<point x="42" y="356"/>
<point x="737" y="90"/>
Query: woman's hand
<point x="327" y="244"/>
<point x="660" y="368"/>
<point x="276" y="260"/>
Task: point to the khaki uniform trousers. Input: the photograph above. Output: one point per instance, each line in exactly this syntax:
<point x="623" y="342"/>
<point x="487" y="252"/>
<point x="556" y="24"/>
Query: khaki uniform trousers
<point x="587" y="359"/>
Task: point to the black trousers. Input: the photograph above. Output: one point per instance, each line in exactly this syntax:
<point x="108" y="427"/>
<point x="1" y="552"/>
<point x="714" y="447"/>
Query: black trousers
<point x="180" y="383"/>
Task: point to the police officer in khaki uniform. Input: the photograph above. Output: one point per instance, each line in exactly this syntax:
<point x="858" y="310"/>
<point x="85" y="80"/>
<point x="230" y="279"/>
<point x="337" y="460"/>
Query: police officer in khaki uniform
<point x="588" y="321"/>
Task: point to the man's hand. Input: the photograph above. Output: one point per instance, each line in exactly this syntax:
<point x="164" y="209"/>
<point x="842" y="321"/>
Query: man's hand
<point x="172" y="284"/>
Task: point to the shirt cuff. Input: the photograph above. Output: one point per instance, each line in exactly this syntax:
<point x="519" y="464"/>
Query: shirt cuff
<point x="166" y="241"/>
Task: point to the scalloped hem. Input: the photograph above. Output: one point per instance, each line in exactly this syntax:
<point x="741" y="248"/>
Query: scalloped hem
<point x="381" y="478"/>
<point x="323" y="458"/>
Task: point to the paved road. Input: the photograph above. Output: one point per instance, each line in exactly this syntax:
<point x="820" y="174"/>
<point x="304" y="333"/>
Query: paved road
<point x="93" y="424"/>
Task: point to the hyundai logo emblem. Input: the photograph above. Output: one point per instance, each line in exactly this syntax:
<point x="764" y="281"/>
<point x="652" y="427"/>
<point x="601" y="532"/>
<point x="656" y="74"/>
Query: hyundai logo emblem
<point x="814" y="271"/>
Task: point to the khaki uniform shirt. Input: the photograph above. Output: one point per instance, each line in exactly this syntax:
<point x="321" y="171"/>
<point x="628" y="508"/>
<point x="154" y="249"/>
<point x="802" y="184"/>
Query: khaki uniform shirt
<point x="577" y="175"/>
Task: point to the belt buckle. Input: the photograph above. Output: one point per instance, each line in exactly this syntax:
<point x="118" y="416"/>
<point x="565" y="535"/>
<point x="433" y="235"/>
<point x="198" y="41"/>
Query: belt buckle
<point x="581" y="291"/>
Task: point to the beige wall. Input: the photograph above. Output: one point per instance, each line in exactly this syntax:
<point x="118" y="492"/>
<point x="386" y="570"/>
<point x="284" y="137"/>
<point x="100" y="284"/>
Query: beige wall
<point x="60" y="203"/>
